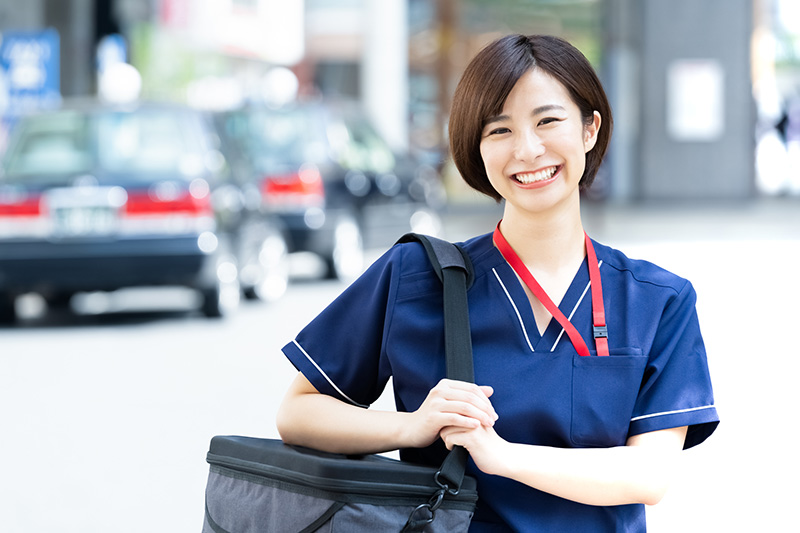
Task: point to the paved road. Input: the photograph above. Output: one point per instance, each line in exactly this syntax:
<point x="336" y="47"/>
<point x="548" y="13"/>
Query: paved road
<point x="106" y="419"/>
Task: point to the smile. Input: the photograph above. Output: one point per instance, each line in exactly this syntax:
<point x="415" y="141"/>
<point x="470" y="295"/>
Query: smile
<point x="540" y="175"/>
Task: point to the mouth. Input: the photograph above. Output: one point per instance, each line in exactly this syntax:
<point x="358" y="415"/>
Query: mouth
<point x="526" y="178"/>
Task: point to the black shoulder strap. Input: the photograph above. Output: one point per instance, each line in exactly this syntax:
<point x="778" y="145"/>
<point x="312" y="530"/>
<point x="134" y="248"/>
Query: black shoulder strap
<point x="443" y="254"/>
<point x="454" y="269"/>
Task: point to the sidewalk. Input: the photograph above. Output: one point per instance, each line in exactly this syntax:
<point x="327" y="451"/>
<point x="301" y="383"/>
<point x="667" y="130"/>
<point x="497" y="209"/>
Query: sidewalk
<point x="610" y="223"/>
<point x="760" y="219"/>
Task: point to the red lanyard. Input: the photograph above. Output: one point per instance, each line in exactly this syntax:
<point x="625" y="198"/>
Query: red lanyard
<point x="598" y="310"/>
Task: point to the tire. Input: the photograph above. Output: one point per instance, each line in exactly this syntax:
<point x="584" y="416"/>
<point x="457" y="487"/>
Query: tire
<point x="346" y="261"/>
<point x="273" y="265"/>
<point x="8" y="309"/>
<point x="59" y="300"/>
<point x="222" y="299"/>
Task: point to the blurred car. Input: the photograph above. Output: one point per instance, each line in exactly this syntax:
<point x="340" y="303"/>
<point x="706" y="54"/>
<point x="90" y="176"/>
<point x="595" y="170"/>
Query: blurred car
<point x="96" y="197"/>
<point x="334" y="182"/>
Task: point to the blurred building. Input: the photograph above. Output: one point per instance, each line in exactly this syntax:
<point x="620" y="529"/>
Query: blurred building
<point x="705" y="93"/>
<point x="679" y="79"/>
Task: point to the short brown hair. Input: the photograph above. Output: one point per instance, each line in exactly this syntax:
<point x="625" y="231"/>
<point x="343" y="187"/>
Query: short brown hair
<point x="489" y="78"/>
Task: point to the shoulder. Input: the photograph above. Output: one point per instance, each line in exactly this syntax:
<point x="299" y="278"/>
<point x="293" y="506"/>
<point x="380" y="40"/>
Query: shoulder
<point x="640" y="273"/>
<point x="411" y="258"/>
<point x="415" y="274"/>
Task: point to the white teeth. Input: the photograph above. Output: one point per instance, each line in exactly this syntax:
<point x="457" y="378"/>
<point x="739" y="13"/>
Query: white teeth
<point x="531" y="177"/>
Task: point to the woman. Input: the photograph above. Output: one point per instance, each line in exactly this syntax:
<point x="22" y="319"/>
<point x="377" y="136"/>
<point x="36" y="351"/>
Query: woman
<point x="578" y="418"/>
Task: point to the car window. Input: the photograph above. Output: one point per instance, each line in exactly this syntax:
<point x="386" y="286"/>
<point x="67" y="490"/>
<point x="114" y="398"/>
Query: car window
<point x="50" y="144"/>
<point x="285" y="136"/>
<point x="148" y="142"/>
<point x="140" y="144"/>
<point x="357" y="145"/>
<point x="375" y="153"/>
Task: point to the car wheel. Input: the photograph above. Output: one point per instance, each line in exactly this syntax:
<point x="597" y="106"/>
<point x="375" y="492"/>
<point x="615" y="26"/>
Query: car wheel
<point x="8" y="309"/>
<point x="59" y="300"/>
<point x="222" y="299"/>
<point x="346" y="261"/>
<point x="272" y="278"/>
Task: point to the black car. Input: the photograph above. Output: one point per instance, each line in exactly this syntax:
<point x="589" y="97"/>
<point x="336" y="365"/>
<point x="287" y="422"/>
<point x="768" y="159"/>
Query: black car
<point x="331" y="178"/>
<point x="96" y="197"/>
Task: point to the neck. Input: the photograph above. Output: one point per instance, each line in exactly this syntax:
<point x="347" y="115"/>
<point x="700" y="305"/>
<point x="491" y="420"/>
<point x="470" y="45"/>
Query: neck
<point x="544" y="241"/>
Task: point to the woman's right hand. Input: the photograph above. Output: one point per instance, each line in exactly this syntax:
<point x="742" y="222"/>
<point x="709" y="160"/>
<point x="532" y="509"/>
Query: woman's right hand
<point x="450" y="403"/>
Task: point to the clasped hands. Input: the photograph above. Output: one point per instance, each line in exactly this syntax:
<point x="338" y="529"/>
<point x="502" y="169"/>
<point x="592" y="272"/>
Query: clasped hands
<point x="462" y="415"/>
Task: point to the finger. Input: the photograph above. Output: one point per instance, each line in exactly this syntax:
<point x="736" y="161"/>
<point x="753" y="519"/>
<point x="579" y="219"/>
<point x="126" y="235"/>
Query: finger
<point x="448" y="434"/>
<point x="464" y="404"/>
<point x="468" y="392"/>
<point x="459" y="421"/>
<point x="478" y="390"/>
<point x="453" y="436"/>
<point x="488" y="391"/>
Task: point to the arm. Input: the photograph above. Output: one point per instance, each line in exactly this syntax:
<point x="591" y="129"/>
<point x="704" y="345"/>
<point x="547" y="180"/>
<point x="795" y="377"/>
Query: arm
<point x="319" y="421"/>
<point x="639" y="472"/>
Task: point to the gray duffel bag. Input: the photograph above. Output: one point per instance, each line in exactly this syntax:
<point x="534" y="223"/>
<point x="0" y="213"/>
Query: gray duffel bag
<point x="264" y="486"/>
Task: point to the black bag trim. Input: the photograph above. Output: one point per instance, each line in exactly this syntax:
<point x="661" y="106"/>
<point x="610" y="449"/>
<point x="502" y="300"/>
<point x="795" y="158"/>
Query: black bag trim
<point x="212" y="524"/>
<point x="316" y="524"/>
<point x="313" y="526"/>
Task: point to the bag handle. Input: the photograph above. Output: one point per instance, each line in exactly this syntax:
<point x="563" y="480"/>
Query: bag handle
<point x="454" y="268"/>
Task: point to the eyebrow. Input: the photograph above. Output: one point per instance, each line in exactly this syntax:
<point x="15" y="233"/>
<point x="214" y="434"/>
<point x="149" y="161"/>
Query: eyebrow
<point x="545" y="108"/>
<point x="537" y="111"/>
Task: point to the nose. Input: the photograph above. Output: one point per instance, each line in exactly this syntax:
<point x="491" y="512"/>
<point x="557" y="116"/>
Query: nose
<point x="528" y="146"/>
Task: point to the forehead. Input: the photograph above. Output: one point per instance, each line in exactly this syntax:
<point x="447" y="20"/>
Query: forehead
<point x="537" y="88"/>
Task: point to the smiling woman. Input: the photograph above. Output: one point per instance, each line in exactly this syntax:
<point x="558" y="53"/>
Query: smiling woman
<point x="484" y="88"/>
<point x="590" y="368"/>
<point x="538" y="141"/>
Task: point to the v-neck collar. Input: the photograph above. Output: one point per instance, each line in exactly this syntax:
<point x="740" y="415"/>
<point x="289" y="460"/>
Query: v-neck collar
<point x="576" y="294"/>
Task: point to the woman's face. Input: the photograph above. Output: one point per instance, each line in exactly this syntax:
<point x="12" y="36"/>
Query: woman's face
<point x="535" y="150"/>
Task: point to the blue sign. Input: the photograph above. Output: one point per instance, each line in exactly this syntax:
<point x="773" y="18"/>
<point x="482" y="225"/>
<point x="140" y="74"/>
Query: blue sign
<point x="29" y="71"/>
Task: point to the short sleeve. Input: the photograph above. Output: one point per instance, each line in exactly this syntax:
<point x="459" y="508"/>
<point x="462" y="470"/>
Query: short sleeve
<point x="340" y="351"/>
<point x="676" y="388"/>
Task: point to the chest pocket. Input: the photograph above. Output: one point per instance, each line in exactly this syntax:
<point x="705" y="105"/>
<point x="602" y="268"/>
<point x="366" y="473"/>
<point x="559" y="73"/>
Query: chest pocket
<point x="604" y="391"/>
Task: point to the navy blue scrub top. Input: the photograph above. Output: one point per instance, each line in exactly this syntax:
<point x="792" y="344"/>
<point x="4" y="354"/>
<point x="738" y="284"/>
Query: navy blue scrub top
<point x="389" y="323"/>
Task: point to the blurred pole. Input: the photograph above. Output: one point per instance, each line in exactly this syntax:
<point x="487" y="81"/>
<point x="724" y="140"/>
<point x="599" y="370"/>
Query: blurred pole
<point x="447" y="15"/>
<point x="622" y="20"/>
<point x="74" y="21"/>
<point x="384" y="80"/>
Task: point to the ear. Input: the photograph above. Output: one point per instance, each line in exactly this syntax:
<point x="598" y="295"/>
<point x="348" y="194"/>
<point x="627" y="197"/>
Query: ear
<point x="590" y="132"/>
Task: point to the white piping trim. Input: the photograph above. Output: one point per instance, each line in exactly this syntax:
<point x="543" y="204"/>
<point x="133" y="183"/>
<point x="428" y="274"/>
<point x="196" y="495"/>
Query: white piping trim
<point x="345" y="396"/>
<point x="519" y="317"/>
<point x="599" y="264"/>
<point x="678" y="411"/>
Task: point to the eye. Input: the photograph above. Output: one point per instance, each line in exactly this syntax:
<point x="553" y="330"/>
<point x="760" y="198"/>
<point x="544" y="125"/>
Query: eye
<point x="497" y="131"/>
<point x="548" y="120"/>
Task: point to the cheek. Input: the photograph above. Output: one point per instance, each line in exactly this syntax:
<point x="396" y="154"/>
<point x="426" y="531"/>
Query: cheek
<point x="489" y="155"/>
<point x="483" y="151"/>
<point x="486" y="158"/>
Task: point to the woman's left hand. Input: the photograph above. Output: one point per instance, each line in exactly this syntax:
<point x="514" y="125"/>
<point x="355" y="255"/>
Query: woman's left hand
<point x="636" y="473"/>
<point x="485" y="446"/>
